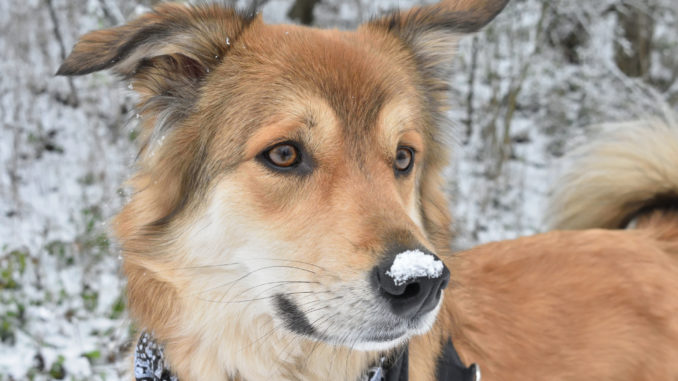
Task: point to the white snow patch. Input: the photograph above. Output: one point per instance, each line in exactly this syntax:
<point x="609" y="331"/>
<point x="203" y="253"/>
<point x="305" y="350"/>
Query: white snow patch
<point x="414" y="264"/>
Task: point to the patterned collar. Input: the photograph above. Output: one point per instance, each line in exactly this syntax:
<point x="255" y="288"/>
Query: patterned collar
<point x="149" y="361"/>
<point x="149" y="365"/>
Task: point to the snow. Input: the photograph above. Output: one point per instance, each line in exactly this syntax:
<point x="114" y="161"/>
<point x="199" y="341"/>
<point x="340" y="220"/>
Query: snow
<point x="414" y="264"/>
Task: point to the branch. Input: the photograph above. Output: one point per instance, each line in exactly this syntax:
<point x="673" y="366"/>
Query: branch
<point x="471" y="84"/>
<point x="73" y="97"/>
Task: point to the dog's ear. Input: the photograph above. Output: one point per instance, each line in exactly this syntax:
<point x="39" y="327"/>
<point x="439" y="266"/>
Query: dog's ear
<point x="189" y="39"/>
<point x="165" y="54"/>
<point x="432" y="32"/>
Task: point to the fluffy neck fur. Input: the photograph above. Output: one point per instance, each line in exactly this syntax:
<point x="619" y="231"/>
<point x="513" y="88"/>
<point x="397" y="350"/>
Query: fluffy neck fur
<point x="209" y="341"/>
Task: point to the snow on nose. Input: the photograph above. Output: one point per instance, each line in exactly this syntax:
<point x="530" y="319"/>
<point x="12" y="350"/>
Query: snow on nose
<point x="413" y="264"/>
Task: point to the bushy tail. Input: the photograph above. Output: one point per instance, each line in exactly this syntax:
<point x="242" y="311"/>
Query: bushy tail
<point x="629" y="168"/>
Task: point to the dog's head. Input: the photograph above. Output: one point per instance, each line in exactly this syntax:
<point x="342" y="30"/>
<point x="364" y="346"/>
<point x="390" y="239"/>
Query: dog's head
<point x="287" y="172"/>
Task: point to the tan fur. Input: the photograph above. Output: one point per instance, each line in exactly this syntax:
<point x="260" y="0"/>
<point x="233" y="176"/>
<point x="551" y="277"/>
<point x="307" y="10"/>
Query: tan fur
<point x="566" y="305"/>
<point x="213" y="235"/>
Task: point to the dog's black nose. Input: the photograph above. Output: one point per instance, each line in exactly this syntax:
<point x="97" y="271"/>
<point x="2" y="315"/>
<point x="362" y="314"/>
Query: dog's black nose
<point x="411" y="281"/>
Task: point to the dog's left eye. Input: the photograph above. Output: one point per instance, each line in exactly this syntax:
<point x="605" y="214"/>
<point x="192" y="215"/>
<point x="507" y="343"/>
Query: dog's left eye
<point x="287" y="158"/>
<point x="404" y="160"/>
<point x="283" y="155"/>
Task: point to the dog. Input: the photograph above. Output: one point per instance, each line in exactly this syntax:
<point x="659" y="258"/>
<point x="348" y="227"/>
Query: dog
<point x="288" y="220"/>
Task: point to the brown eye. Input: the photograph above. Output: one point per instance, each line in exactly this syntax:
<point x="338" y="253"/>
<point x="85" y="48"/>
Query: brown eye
<point x="403" y="160"/>
<point x="283" y="155"/>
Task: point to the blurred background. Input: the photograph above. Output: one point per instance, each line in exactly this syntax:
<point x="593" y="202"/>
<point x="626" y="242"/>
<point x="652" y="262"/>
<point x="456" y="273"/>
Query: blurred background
<point x="525" y="92"/>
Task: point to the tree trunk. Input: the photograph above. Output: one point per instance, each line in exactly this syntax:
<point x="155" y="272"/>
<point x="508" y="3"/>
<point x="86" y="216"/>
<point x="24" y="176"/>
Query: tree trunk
<point x="302" y="11"/>
<point x="634" y="41"/>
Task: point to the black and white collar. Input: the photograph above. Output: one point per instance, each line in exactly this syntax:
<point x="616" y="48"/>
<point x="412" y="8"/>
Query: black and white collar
<point x="149" y="365"/>
<point x="149" y="361"/>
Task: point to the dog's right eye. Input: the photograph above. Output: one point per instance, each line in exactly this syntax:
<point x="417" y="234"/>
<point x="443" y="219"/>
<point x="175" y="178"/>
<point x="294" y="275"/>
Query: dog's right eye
<point x="283" y="156"/>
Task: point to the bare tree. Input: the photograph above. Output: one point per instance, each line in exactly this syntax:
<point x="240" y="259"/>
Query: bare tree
<point x="302" y="11"/>
<point x="633" y="46"/>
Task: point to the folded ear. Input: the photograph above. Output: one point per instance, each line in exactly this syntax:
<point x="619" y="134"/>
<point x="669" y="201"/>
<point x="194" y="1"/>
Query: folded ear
<point x="432" y="32"/>
<point x="201" y="35"/>
<point x="165" y="54"/>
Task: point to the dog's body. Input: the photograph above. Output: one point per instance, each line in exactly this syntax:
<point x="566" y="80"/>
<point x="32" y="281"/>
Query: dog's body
<point x="583" y="304"/>
<point x="567" y="305"/>
<point x="285" y="171"/>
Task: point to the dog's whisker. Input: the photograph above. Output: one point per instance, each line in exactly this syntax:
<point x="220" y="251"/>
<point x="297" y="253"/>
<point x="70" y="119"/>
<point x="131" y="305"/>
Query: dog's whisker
<point x="253" y="259"/>
<point x="255" y="299"/>
<point x="276" y="328"/>
<point x="316" y="300"/>
<point x="238" y="280"/>
<point x="200" y="267"/>
<point x="229" y="264"/>
<point x="274" y="283"/>
<point x="315" y="309"/>
<point x="317" y="342"/>
<point x="233" y="282"/>
<point x="288" y="260"/>
<point x="259" y="339"/>
<point x="298" y="338"/>
<point x="284" y="350"/>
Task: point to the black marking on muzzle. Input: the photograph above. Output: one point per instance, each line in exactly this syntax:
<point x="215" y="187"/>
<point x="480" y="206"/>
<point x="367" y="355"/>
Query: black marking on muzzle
<point x="293" y="318"/>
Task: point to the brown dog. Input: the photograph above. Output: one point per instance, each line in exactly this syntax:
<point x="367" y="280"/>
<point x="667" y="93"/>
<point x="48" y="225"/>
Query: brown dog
<point x="288" y="204"/>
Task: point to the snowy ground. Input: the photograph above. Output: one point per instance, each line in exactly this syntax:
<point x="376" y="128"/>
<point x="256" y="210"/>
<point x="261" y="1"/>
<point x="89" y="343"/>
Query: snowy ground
<point x="66" y="148"/>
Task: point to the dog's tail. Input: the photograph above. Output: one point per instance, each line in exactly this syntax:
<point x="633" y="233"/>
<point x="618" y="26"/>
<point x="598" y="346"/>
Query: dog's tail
<point x="628" y="171"/>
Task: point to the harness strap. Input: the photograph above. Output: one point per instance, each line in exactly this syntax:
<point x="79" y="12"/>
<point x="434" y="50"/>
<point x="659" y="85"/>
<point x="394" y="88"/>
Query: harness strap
<point x="394" y="370"/>
<point x="451" y="368"/>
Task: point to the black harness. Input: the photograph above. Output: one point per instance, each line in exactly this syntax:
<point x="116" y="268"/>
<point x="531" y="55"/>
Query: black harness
<point x="393" y="369"/>
<point x="149" y="365"/>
